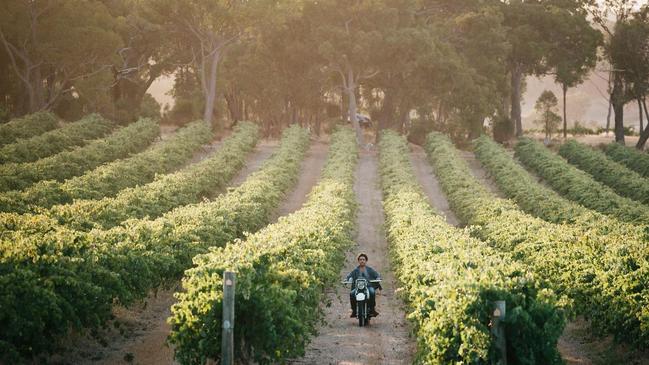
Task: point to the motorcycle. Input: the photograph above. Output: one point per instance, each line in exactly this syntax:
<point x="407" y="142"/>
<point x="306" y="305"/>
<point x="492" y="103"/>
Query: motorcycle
<point x="362" y="294"/>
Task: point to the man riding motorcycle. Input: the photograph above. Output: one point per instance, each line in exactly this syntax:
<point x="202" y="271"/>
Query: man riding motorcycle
<point x="364" y="271"/>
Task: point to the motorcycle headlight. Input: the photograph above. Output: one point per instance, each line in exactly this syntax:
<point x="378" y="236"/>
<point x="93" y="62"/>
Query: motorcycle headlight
<point x="361" y="285"/>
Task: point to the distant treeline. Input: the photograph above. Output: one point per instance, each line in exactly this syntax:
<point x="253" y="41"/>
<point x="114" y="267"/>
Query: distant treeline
<point x="413" y="65"/>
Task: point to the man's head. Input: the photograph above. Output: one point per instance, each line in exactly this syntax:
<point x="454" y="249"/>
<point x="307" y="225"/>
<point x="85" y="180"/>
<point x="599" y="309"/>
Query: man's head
<point x="362" y="259"/>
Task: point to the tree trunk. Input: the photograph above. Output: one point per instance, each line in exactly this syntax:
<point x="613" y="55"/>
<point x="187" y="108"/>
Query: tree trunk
<point x="233" y="106"/>
<point x="517" y="77"/>
<point x="440" y="106"/>
<point x="565" y="120"/>
<point x="619" y="123"/>
<point x="387" y="113"/>
<point x="317" y="124"/>
<point x="351" y="94"/>
<point x="210" y="97"/>
<point x="645" y="133"/>
<point x="404" y="117"/>
<point x="344" y="104"/>
<point x="608" y="116"/>
<point x="475" y="127"/>
<point x="352" y="113"/>
<point x="618" y="107"/>
<point x="640" y="112"/>
<point x="646" y="112"/>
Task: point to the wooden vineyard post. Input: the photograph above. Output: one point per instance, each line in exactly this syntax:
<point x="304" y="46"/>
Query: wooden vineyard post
<point x="498" y="330"/>
<point x="227" y="336"/>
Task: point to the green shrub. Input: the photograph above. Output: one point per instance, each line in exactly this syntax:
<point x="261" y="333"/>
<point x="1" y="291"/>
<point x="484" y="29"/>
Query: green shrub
<point x="619" y="178"/>
<point x="189" y="185"/>
<point x="121" y="143"/>
<point x="579" y="130"/>
<point x="55" y="141"/>
<point x="109" y="179"/>
<point x="27" y="126"/>
<point x="630" y="157"/>
<point x="577" y="185"/>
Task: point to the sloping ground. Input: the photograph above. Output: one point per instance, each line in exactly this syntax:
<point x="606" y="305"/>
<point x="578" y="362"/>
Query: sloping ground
<point x="387" y="339"/>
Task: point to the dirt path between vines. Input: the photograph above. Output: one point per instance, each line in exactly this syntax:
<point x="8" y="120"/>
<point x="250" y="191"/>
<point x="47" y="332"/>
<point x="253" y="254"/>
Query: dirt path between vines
<point x="387" y="339"/>
<point x="481" y="174"/>
<point x="424" y="171"/>
<point x="310" y="172"/>
<point x="143" y="327"/>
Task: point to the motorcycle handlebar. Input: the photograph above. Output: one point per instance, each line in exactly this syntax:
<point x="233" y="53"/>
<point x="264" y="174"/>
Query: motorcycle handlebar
<point x="371" y="281"/>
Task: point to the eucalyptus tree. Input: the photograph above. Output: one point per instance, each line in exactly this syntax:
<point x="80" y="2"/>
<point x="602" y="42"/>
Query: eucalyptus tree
<point x="53" y="44"/>
<point x="526" y="23"/>
<point x="545" y="107"/>
<point x="468" y="75"/>
<point x="142" y="58"/>
<point x="276" y="77"/>
<point x="12" y="100"/>
<point x="404" y="57"/>
<point x="348" y="36"/>
<point x="574" y="54"/>
<point x="480" y="38"/>
<point x="629" y="50"/>
<point x="201" y="32"/>
<point x="616" y="50"/>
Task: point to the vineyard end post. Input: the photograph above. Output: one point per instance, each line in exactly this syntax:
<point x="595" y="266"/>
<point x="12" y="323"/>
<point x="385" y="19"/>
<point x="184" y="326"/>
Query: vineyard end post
<point x="227" y="337"/>
<point x="498" y="330"/>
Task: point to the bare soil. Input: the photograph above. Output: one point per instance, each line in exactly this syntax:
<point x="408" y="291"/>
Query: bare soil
<point x="167" y="130"/>
<point x="310" y="171"/>
<point x="138" y="334"/>
<point x="423" y="171"/>
<point x="387" y="340"/>
<point x="481" y="174"/>
<point x="255" y="160"/>
<point x="578" y="346"/>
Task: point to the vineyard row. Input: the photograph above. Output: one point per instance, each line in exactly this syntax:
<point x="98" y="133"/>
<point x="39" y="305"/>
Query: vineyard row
<point x="109" y="179"/>
<point x="70" y="279"/>
<point x="452" y="280"/>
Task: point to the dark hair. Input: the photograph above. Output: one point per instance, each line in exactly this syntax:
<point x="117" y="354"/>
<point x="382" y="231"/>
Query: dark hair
<point x="362" y="255"/>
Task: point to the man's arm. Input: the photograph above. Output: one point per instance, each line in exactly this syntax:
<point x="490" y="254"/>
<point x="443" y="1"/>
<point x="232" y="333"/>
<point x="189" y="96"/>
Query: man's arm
<point x="375" y="275"/>
<point x="350" y="276"/>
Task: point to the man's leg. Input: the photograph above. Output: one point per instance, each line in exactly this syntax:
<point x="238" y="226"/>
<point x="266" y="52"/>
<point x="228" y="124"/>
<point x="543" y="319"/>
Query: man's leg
<point x="372" y="302"/>
<point x="352" y="302"/>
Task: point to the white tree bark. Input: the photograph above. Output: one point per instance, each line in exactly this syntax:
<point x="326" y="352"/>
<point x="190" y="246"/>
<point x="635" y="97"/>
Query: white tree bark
<point x="351" y="95"/>
<point x="516" y="80"/>
<point x="210" y="81"/>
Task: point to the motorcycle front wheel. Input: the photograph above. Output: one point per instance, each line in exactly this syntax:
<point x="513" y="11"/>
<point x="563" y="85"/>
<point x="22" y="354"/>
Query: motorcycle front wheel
<point x="361" y="315"/>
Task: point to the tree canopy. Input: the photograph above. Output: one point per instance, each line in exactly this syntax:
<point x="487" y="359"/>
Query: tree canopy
<point x="411" y="65"/>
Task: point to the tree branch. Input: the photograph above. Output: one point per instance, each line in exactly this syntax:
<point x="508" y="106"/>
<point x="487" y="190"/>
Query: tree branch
<point x="7" y="45"/>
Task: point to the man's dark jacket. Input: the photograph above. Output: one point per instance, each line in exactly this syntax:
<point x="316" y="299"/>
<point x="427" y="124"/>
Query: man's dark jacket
<point x="369" y="274"/>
